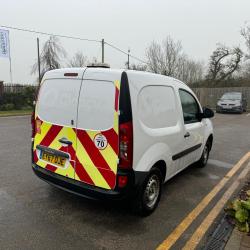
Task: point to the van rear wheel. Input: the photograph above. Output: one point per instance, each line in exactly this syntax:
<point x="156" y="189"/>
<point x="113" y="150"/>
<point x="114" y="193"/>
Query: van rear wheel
<point x="204" y="157"/>
<point x="149" y="195"/>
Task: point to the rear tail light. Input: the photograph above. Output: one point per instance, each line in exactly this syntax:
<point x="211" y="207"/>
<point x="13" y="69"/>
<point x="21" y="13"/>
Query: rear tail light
<point x="126" y="145"/>
<point x="38" y="126"/>
<point x="33" y="124"/>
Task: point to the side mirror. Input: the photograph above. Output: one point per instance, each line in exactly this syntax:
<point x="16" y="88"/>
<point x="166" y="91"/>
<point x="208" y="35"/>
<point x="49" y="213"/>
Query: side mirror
<point x="207" y="113"/>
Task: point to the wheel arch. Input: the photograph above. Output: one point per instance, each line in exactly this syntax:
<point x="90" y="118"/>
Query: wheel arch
<point x="210" y="140"/>
<point x="162" y="166"/>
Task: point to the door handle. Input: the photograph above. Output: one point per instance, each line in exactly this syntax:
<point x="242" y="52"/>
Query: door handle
<point x="65" y="141"/>
<point x="187" y="135"/>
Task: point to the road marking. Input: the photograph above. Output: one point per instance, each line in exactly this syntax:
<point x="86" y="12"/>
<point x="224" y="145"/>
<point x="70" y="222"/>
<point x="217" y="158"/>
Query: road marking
<point x="202" y="229"/>
<point x="186" y="222"/>
<point x="248" y="114"/>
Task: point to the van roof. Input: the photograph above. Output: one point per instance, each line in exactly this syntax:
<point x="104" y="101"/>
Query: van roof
<point x="60" y="73"/>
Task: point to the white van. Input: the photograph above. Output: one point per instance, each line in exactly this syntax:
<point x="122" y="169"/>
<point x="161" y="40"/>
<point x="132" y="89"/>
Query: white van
<point x="105" y="133"/>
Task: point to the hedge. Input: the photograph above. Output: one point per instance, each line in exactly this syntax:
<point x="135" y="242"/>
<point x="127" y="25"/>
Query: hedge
<point x="21" y="100"/>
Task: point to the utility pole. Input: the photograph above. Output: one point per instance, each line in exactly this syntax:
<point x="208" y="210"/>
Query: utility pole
<point x="128" y="57"/>
<point x="102" y="50"/>
<point x="38" y="61"/>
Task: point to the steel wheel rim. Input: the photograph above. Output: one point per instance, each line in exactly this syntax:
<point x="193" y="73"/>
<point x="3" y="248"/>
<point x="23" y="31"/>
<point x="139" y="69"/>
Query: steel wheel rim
<point x="152" y="191"/>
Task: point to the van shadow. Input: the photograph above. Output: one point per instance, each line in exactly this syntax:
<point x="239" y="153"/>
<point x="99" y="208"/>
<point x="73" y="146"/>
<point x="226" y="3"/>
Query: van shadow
<point x="108" y="215"/>
<point x="181" y="179"/>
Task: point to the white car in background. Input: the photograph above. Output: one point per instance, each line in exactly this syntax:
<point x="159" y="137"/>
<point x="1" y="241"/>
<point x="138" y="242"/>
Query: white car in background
<point x="232" y="102"/>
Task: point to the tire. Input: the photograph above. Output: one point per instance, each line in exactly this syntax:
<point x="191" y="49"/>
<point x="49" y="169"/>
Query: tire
<point x="148" y="197"/>
<point x="202" y="162"/>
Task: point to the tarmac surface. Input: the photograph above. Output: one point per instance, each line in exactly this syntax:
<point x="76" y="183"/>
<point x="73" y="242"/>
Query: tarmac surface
<point x="35" y="215"/>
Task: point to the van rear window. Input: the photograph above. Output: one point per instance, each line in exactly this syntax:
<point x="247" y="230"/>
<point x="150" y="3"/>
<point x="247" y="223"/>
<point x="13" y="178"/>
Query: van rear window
<point x="96" y="105"/>
<point x="57" y="101"/>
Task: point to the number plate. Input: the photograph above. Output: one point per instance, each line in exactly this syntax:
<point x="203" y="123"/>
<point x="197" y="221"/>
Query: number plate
<point x="53" y="159"/>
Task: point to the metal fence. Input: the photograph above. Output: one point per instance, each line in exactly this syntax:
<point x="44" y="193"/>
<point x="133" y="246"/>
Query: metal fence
<point x="209" y="96"/>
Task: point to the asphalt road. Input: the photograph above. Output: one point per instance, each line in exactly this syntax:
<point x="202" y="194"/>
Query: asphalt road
<point x="35" y="215"/>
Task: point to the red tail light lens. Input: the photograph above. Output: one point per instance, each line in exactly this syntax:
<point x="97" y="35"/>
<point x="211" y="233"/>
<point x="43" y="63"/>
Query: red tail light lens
<point x="38" y="126"/>
<point x="33" y="124"/>
<point x="126" y="145"/>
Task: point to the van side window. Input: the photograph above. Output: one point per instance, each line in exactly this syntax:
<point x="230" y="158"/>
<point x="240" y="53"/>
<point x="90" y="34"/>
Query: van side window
<point x="157" y="107"/>
<point x="190" y="107"/>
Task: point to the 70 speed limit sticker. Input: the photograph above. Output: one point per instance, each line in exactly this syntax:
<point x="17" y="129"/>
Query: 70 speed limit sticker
<point x="100" y="141"/>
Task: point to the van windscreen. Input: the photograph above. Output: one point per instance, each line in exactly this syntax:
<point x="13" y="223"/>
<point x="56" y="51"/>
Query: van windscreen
<point x="96" y="105"/>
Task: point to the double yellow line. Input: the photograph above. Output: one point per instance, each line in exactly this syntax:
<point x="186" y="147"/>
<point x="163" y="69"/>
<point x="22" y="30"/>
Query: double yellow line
<point x="201" y="230"/>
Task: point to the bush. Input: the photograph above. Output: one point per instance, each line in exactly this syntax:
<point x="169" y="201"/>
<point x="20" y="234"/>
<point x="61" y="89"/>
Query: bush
<point x="239" y="211"/>
<point x="7" y="107"/>
<point x="23" y="99"/>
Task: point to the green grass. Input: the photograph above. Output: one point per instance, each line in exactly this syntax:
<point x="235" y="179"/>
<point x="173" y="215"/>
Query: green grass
<point x="16" y="112"/>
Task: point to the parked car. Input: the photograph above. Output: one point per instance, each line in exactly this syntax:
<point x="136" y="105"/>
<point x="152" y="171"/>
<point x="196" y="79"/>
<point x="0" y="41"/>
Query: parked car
<point x="232" y="102"/>
<point x="113" y="134"/>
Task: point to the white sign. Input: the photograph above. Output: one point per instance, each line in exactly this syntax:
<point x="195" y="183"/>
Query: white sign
<point x="100" y="141"/>
<point x="4" y="43"/>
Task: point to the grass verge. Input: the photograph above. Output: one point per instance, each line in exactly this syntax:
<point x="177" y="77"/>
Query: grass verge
<point x="15" y="112"/>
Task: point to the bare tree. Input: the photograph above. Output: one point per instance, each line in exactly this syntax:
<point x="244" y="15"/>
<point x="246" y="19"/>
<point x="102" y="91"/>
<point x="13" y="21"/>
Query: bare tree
<point x="169" y="59"/>
<point x="51" y="55"/>
<point x="138" y="67"/>
<point x="223" y="63"/>
<point x="164" y="58"/>
<point x="79" y="60"/>
<point x="189" y="70"/>
<point x="155" y="58"/>
<point x="172" y="55"/>
<point x="245" y="32"/>
<point x="245" y="69"/>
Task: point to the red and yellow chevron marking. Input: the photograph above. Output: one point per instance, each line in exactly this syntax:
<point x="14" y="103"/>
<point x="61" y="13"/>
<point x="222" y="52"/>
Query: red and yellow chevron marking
<point x="87" y="163"/>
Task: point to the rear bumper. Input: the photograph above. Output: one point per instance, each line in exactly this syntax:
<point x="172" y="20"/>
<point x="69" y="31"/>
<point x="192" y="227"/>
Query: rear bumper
<point x="135" y="180"/>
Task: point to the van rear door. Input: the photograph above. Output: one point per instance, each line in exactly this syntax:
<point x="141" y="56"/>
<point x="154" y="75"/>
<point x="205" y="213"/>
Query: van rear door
<point x="55" y="125"/>
<point x="97" y="133"/>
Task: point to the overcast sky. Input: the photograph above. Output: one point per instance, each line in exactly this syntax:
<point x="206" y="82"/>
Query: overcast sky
<point x="134" y="24"/>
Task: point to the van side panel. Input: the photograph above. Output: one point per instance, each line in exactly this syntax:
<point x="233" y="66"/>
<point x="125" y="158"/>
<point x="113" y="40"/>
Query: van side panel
<point x="155" y="138"/>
